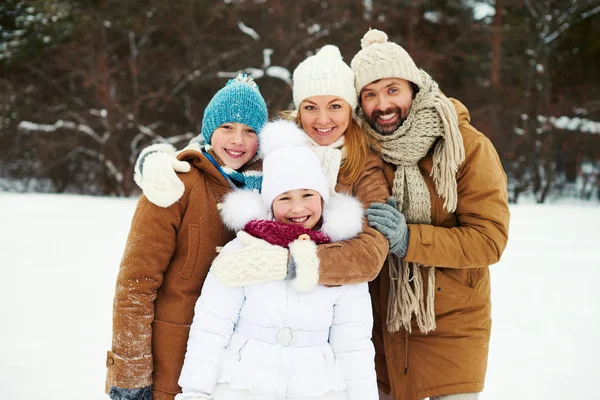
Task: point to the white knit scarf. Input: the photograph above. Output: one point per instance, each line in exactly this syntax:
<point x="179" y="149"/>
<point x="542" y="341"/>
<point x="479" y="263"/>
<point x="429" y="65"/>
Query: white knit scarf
<point x="431" y="122"/>
<point x="331" y="157"/>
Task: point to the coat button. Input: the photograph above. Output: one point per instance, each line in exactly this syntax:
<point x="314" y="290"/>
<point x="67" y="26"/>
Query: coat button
<point x="304" y="236"/>
<point x="111" y="361"/>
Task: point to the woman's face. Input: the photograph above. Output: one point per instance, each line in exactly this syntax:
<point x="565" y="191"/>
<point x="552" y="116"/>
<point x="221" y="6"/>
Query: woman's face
<point x="234" y="143"/>
<point x="324" y="118"/>
<point x="301" y="207"/>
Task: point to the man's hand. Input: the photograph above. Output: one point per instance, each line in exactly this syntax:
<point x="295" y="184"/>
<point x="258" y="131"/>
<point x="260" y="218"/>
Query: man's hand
<point x="391" y="223"/>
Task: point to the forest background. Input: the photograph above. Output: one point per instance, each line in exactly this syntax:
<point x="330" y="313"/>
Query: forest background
<point x="86" y="84"/>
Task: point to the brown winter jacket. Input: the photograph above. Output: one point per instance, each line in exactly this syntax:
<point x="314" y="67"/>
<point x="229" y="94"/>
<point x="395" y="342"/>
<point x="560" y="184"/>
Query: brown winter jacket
<point x="453" y="358"/>
<point x="359" y="259"/>
<point x="167" y="257"/>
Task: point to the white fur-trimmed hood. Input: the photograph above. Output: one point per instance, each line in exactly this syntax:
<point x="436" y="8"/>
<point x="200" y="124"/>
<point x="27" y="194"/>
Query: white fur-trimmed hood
<point x="342" y="214"/>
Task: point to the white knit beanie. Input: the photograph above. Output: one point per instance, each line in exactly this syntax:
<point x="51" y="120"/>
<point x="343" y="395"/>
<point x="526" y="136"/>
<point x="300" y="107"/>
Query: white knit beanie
<point x="288" y="162"/>
<point x="324" y="74"/>
<point x="381" y="59"/>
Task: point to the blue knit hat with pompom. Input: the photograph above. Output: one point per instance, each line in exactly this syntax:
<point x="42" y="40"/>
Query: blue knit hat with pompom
<point x="238" y="101"/>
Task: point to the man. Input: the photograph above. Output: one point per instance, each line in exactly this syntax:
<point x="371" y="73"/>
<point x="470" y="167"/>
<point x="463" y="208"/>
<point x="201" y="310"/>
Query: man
<point x="432" y="299"/>
<point x="446" y="222"/>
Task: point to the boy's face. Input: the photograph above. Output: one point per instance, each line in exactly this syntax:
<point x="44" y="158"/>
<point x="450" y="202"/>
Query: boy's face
<point x="234" y="143"/>
<point x="386" y="104"/>
<point x="302" y="207"/>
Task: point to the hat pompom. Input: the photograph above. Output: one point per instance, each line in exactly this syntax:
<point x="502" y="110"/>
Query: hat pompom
<point x="281" y="133"/>
<point x="373" y="36"/>
<point x="241" y="206"/>
<point x="331" y="51"/>
<point x="243" y="78"/>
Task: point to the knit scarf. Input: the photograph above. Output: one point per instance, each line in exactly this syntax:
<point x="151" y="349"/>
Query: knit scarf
<point x="248" y="176"/>
<point x="431" y="122"/>
<point x="331" y="157"/>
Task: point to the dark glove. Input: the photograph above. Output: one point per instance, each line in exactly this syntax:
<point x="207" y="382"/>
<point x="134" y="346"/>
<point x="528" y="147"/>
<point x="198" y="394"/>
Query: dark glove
<point x="391" y="223"/>
<point x="144" y="393"/>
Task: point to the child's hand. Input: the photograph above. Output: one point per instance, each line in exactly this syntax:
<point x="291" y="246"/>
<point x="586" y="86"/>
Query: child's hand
<point x="258" y="261"/>
<point x="156" y="174"/>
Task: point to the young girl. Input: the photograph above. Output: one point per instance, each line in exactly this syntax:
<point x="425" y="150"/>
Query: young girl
<point x="272" y="340"/>
<point x="169" y="250"/>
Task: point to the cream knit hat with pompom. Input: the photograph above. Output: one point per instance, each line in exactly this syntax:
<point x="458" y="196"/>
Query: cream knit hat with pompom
<point x="381" y="59"/>
<point x="324" y="74"/>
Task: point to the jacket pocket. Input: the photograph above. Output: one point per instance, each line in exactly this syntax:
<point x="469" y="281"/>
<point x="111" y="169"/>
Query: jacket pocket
<point x="455" y="298"/>
<point x="169" y="342"/>
<point x="461" y="276"/>
<point x="192" y="253"/>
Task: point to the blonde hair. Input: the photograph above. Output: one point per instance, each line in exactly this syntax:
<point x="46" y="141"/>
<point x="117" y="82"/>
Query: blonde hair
<point x="357" y="146"/>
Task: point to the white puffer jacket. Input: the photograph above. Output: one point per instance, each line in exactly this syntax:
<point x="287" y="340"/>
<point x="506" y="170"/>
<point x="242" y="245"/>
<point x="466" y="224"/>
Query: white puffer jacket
<point x="272" y="340"/>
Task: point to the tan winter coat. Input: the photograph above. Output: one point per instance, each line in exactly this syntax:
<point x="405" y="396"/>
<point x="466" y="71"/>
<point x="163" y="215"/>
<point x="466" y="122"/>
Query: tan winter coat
<point x="359" y="259"/>
<point x="167" y="257"/>
<point x="453" y="358"/>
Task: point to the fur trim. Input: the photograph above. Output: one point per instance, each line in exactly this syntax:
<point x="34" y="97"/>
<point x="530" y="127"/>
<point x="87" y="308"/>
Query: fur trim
<point x="281" y="133"/>
<point x="305" y="257"/>
<point x="156" y="147"/>
<point x="342" y="217"/>
<point x="242" y="206"/>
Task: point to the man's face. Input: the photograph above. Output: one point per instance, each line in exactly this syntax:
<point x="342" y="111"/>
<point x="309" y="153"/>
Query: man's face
<point x="386" y="104"/>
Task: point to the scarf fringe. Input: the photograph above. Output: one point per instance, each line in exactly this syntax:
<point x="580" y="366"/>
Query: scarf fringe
<point x="406" y="299"/>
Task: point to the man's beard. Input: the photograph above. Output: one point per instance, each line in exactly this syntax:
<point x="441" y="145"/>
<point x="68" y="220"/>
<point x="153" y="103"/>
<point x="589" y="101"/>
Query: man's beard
<point x="385" y="129"/>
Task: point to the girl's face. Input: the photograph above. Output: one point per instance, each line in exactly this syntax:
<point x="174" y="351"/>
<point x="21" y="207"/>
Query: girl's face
<point x="302" y="207"/>
<point x="234" y="143"/>
<point x="324" y="118"/>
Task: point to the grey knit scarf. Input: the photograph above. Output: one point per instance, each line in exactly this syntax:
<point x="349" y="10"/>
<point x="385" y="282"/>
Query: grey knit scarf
<point x="432" y="121"/>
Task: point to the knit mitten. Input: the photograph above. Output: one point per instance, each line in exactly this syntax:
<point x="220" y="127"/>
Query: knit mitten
<point x="144" y="393"/>
<point x="258" y="261"/>
<point x="305" y="262"/>
<point x="155" y="173"/>
<point x="391" y="223"/>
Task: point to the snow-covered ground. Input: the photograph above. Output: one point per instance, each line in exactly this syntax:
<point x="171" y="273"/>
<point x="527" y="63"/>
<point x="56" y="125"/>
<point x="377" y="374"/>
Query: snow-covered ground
<point x="59" y="257"/>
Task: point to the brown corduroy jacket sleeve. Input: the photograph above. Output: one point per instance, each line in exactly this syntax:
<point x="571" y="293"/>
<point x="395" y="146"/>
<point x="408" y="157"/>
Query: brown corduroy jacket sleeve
<point x="482" y="214"/>
<point x="148" y="251"/>
<point x="359" y="259"/>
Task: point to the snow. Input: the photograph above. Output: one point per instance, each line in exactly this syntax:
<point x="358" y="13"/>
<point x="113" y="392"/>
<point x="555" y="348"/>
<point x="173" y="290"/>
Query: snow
<point x="59" y="258"/>
<point x="248" y="31"/>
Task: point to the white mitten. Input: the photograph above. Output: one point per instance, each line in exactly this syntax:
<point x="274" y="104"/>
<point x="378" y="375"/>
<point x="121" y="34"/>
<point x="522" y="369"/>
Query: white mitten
<point x="158" y="179"/>
<point x="258" y="261"/>
<point x="304" y="254"/>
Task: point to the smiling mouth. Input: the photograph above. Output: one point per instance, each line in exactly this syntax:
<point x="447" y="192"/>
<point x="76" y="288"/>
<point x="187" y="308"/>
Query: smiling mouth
<point x="299" y="220"/>
<point x="387" y="117"/>
<point x="324" y="131"/>
<point x="234" y="154"/>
